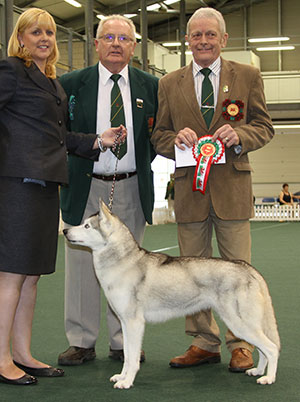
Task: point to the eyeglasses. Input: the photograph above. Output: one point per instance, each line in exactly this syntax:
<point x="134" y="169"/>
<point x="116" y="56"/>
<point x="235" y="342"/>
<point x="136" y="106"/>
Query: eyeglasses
<point x="110" y="38"/>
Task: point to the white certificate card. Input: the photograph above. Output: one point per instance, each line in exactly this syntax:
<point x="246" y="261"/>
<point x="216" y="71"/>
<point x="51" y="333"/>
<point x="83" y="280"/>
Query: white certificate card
<point x="186" y="158"/>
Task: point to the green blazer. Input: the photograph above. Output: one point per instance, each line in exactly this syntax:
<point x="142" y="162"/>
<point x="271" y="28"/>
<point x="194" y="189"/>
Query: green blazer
<point x="81" y="87"/>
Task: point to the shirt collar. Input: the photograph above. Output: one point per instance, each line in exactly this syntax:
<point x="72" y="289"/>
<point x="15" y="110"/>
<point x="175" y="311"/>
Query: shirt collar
<point x="105" y="74"/>
<point x="215" y="67"/>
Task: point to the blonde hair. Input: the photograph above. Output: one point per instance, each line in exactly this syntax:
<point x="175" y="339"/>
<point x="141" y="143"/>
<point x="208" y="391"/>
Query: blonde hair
<point x="26" y="20"/>
<point x="116" y="17"/>
<point x="208" y="12"/>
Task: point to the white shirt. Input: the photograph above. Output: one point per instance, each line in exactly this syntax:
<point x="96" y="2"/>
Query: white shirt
<point x="107" y="160"/>
<point x="214" y="77"/>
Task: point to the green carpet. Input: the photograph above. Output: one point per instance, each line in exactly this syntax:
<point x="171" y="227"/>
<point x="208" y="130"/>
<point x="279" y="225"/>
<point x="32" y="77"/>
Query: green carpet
<point x="276" y="254"/>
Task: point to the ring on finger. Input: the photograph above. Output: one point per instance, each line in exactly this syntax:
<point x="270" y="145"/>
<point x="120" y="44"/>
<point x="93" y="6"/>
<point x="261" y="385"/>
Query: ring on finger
<point x="226" y="139"/>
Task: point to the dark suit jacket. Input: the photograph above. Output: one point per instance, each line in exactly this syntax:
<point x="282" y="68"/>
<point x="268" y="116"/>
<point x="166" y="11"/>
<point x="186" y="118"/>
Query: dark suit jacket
<point x="33" y="135"/>
<point x="229" y="186"/>
<point x="82" y="85"/>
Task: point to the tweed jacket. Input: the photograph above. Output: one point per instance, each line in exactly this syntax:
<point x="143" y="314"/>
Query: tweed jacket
<point x="33" y="135"/>
<point x="81" y="87"/>
<point x="229" y="185"/>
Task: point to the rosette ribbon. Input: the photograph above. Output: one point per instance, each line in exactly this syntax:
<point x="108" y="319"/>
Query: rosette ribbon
<point x="206" y="153"/>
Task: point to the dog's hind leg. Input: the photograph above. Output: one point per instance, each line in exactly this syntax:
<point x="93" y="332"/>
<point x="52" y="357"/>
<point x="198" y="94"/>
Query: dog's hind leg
<point x="261" y="366"/>
<point x="268" y="353"/>
<point x="133" y="330"/>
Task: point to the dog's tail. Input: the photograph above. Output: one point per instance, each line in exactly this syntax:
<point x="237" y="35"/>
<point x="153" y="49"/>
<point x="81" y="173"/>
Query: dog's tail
<point x="269" y="320"/>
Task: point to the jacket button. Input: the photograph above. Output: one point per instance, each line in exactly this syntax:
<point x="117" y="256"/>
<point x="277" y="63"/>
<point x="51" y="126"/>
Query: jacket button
<point x="61" y="142"/>
<point x="59" y="122"/>
<point x="58" y="101"/>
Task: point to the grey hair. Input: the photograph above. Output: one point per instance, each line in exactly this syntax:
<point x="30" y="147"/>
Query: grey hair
<point x="207" y="12"/>
<point x="116" y="17"/>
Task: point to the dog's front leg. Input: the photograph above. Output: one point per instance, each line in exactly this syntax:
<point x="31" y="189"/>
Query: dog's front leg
<point x="133" y="330"/>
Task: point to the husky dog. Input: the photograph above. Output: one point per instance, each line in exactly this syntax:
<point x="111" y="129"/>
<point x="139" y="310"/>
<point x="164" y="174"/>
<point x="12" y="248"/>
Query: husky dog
<point x="144" y="286"/>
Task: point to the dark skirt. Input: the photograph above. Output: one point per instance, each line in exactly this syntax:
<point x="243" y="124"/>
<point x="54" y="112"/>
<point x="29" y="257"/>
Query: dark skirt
<point x="29" y="218"/>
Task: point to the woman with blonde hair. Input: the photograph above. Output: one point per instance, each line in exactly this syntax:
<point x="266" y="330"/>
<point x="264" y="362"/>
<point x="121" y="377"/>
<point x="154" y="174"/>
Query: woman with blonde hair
<point x="34" y="142"/>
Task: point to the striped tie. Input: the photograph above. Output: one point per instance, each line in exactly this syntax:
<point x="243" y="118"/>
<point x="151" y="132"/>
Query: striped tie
<point x="207" y="97"/>
<point x="117" y="115"/>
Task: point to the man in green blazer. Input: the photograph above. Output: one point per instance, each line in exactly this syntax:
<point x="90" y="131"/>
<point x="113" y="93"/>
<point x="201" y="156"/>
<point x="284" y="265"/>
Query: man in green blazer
<point x="89" y="94"/>
<point x="219" y="198"/>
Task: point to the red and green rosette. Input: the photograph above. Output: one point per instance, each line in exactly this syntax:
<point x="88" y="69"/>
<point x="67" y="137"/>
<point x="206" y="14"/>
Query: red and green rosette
<point x="233" y="109"/>
<point x="206" y="153"/>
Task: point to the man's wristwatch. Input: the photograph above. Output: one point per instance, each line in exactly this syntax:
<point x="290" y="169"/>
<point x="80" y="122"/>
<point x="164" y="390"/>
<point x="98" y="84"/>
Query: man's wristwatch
<point x="100" y="143"/>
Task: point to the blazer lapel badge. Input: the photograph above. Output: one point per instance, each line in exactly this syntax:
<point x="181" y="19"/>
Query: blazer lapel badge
<point x="139" y="103"/>
<point x="71" y="106"/>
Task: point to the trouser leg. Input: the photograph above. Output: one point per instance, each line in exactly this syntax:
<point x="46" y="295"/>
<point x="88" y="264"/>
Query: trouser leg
<point x="195" y="240"/>
<point x="234" y="243"/>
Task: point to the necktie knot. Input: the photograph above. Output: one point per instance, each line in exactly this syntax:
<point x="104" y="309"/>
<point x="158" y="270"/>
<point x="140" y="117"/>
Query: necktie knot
<point x="115" y="77"/>
<point x="205" y="71"/>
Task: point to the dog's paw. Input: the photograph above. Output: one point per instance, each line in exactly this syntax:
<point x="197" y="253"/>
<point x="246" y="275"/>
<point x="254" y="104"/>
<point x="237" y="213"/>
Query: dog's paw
<point x="254" y="371"/>
<point x="116" y="378"/>
<point x="123" y="384"/>
<point x="266" y="380"/>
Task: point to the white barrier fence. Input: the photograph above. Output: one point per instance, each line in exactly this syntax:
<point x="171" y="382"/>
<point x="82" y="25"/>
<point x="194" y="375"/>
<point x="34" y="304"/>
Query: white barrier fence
<point x="277" y="212"/>
<point x="262" y="212"/>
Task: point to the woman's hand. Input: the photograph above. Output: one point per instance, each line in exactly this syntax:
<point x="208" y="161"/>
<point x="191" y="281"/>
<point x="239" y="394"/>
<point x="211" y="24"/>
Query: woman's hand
<point x="111" y="136"/>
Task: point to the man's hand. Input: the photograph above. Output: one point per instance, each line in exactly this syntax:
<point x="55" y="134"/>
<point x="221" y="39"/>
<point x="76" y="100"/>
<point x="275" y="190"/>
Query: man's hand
<point x="187" y="137"/>
<point x="227" y="135"/>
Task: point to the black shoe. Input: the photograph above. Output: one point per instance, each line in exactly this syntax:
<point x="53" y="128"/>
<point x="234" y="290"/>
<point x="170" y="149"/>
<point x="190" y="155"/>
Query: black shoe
<point x="41" y="372"/>
<point x="25" y="380"/>
<point x="74" y="356"/>
<point x="119" y="355"/>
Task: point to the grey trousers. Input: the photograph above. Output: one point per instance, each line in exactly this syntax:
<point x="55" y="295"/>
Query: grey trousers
<point x="234" y="242"/>
<point x="82" y="289"/>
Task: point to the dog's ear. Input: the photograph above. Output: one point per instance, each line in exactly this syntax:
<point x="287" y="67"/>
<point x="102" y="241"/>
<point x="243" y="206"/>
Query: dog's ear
<point x="104" y="212"/>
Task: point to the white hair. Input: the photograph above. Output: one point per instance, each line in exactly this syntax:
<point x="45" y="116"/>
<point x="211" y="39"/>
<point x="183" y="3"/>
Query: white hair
<point x="207" y="12"/>
<point x="116" y="17"/>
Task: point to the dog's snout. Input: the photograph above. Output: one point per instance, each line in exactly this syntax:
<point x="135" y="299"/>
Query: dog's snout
<point x="65" y="231"/>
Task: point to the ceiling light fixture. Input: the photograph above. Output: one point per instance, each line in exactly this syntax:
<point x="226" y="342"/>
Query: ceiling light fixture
<point x="275" y="39"/>
<point x="100" y="16"/>
<point x="130" y="15"/>
<point x="173" y="44"/>
<point x="73" y="3"/>
<point x="138" y="36"/>
<point x="153" y="7"/>
<point x="187" y="52"/>
<point x="169" y="2"/>
<point x="270" y="48"/>
<point x="278" y="126"/>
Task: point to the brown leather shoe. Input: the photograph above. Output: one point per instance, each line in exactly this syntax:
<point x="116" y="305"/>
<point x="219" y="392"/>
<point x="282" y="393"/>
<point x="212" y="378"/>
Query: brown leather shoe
<point x="74" y="356"/>
<point x="241" y="360"/>
<point x="195" y="356"/>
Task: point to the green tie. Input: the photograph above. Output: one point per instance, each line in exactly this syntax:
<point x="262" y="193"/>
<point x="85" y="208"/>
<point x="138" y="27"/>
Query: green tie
<point x="117" y="115"/>
<point x="207" y="97"/>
